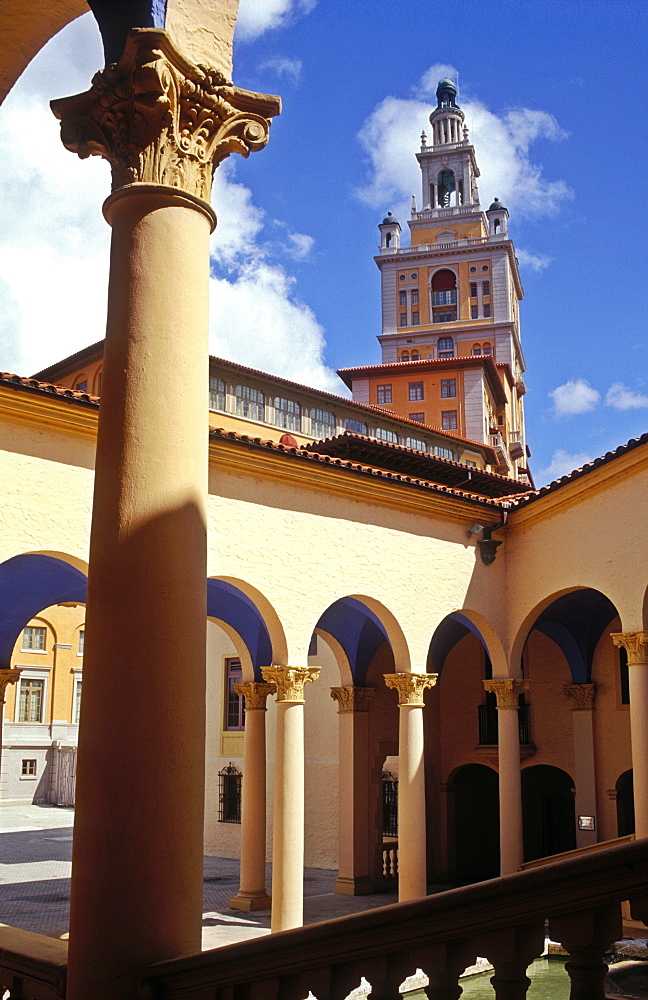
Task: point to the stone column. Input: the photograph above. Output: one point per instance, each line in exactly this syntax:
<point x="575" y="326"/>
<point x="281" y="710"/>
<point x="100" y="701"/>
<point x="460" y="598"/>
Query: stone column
<point x="136" y="893"/>
<point x="507" y="691"/>
<point x="354" y="878"/>
<point x="636" y="646"/>
<point x="412" y="874"/>
<point x="252" y="893"/>
<point x="288" y="821"/>
<point x="582" y="704"/>
<point x="7" y="677"/>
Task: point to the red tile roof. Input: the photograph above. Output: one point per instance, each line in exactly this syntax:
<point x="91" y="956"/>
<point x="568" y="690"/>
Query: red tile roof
<point x="484" y="361"/>
<point x="17" y="382"/>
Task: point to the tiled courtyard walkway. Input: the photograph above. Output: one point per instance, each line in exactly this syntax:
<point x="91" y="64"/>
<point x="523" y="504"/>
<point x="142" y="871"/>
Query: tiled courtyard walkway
<point x="35" y="866"/>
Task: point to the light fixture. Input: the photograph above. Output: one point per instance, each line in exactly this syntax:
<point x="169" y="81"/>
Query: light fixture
<point x="476" y="528"/>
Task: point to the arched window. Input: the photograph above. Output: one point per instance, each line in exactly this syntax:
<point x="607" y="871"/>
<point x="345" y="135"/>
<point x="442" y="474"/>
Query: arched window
<point x="477" y="349"/>
<point x="447" y="192"/>
<point x="416" y="356"/>
<point x="444" y="296"/>
<point x="250" y="402"/>
<point x="496" y="226"/>
<point x="488" y="349"/>
<point x="388" y="239"/>
<point x="405" y="356"/>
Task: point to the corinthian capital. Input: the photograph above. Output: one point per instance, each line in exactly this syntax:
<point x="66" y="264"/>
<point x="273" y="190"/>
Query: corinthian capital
<point x="581" y="695"/>
<point x="352" y="699"/>
<point x="290" y="681"/>
<point x="507" y="690"/>
<point x="410" y="687"/>
<point x="255" y="695"/>
<point x="158" y="119"/>
<point x="7" y="677"/>
<point x="634" y="643"/>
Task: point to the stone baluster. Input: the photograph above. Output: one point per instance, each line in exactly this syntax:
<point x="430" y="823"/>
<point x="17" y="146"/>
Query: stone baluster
<point x="587" y="937"/>
<point x="412" y="854"/>
<point x="252" y="893"/>
<point x="507" y="691"/>
<point x="353" y="856"/>
<point x="511" y="951"/>
<point x="288" y="820"/>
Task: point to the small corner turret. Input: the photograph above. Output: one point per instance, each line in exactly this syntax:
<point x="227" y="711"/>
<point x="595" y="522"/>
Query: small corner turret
<point x="497" y="216"/>
<point x="390" y="231"/>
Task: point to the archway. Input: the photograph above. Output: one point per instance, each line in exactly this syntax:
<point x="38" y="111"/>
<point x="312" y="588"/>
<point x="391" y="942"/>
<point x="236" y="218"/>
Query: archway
<point x="475" y="822"/>
<point x="625" y="804"/>
<point x="548" y="811"/>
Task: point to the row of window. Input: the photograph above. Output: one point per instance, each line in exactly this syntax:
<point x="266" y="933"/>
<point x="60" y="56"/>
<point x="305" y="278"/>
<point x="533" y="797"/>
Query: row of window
<point x="446" y="349"/>
<point x="31" y="700"/>
<point x="34" y="639"/>
<point x="416" y="391"/>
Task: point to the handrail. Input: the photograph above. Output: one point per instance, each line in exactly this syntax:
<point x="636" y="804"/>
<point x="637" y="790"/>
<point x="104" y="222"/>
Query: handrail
<point x="576" y="852"/>
<point x="477" y="919"/>
<point x="33" y="959"/>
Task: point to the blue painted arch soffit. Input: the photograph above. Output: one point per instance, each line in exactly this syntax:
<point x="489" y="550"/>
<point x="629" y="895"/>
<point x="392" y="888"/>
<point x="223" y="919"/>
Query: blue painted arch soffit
<point x="231" y="605"/>
<point x="576" y="622"/>
<point x="358" y="630"/>
<point x="448" y="633"/>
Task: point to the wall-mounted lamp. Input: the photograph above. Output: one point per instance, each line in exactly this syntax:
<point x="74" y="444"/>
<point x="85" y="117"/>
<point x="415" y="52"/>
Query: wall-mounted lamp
<point x="488" y="546"/>
<point x="475" y="530"/>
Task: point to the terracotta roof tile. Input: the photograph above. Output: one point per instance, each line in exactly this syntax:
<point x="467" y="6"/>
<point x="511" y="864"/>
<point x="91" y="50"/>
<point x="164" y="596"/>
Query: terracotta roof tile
<point x="16" y="381"/>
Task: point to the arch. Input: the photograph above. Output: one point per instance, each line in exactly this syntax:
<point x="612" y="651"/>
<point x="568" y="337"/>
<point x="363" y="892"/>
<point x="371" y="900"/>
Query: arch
<point x="360" y="625"/>
<point x="405" y="356"/>
<point x="624" y="789"/>
<point x="416" y="356"/>
<point x="474" y="822"/>
<point x="388" y="239"/>
<point x="477" y="348"/>
<point x="31" y="582"/>
<point x="453" y="628"/>
<point x="252" y="617"/>
<point x="444" y="279"/>
<point x="487" y="348"/>
<point x="548" y="810"/>
<point x="97" y="380"/>
<point x="340" y="654"/>
<point x="446" y="188"/>
<point x="575" y="619"/>
<point x="496" y="225"/>
<point x="242" y="651"/>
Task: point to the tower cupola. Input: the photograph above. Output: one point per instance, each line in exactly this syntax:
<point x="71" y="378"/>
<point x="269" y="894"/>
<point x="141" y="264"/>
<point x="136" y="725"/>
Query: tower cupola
<point x="447" y="119"/>
<point x="390" y="231"/>
<point x="497" y="216"/>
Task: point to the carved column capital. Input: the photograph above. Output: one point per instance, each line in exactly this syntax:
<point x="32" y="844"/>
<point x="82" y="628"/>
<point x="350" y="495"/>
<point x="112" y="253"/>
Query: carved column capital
<point x="255" y="694"/>
<point x="8" y="677"/>
<point x="634" y="643"/>
<point x="289" y="681"/>
<point x="582" y="696"/>
<point x="410" y="687"/>
<point x="158" y="119"/>
<point x="352" y="699"/>
<point x="507" y="690"/>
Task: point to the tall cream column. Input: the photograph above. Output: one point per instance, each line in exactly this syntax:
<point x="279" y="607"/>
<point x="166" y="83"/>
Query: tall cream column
<point x="136" y="895"/>
<point x="252" y="893"/>
<point x="354" y="878"/>
<point x="507" y="691"/>
<point x="288" y="823"/>
<point x="636" y="646"/>
<point x="412" y="875"/>
<point x="582" y="698"/>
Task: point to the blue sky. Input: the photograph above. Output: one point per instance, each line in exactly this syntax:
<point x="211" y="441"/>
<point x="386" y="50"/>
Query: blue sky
<point x="555" y="96"/>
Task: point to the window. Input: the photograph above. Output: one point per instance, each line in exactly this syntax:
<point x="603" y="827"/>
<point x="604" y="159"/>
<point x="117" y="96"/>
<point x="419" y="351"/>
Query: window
<point x="250" y="402"/>
<point x="415" y="319"/>
<point x="448" y="388"/>
<point x="415" y="296"/>
<point x="356" y="426"/>
<point x="414" y="276"/>
<point x="470" y="463"/>
<point x="473" y="312"/>
<point x="477" y="349"/>
<point x="403" y="319"/>
<point x="485" y="287"/>
<point x="401" y="277"/>
<point x="383" y="435"/>
<point x="484" y="267"/>
<point x="81" y="641"/>
<point x="30" y="707"/>
<point x="389" y="805"/>
<point x="445" y="298"/>
<point x="216" y="393"/>
<point x="235" y="703"/>
<point x="419" y="417"/>
<point x="449" y="316"/>
<point x="34" y="638"/>
<point x="416" y="443"/>
<point x="28" y="768"/>
<point x="487" y="310"/>
<point x="229" y="795"/>
<point x="403" y="297"/>
<point x="443" y="452"/>
<point x="76" y="707"/>
<point x="488" y="349"/>
<point x="449" y="420"/>
<point x="287" y="414"/>
<point x="445" y="347"/>
<point x="416" y="356"/>
<point x="405" y="356"/>
<point x="473" y="289"/>
<point x="384" y="394"/>
<point x="82" y="386"/>
<point x="322" y="423"/>
<point x="415" y="391"/>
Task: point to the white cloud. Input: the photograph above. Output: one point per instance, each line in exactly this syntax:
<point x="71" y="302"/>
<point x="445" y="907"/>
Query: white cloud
<point x="561" y="464"/>
<point x="283" y="66"/>
<point x="258" y="16"/>
<point x="502" y="141"/>
<point x="54" y="243"/>
<point x="532" y="261"/>
<point x="622" y="398"/>
<point x="573" y="397"/>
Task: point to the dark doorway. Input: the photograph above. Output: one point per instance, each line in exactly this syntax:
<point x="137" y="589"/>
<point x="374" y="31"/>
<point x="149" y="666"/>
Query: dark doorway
<point x="548" y="812"/>
<point x="625" y="804"/>
<point x="476" y="822"/>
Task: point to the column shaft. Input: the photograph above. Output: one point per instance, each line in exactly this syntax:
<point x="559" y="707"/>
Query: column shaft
<point x="510" y="792"/>
<point x="412" y="876"/>
<point x="136" y="893"/>
<point x="288" y="838"/>
<point x="638" y="677"/>
<point x="354" y="877"/>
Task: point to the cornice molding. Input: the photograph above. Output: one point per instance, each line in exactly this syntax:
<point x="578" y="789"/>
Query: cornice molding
<point x="49" y="411"/>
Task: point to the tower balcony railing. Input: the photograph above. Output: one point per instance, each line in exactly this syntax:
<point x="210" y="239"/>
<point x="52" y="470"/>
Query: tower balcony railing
<point x="444" y="245"/>
<point x="502" y="920"/>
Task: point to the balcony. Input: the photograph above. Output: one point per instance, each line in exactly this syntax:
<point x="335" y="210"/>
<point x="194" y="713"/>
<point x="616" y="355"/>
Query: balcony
<point x="445" y="298"/>
<point x="488" y="731"/>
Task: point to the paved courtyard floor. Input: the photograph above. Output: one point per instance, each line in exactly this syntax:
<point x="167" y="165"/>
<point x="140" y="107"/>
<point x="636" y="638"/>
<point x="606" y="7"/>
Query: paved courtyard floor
<point x="35" y="867"/>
